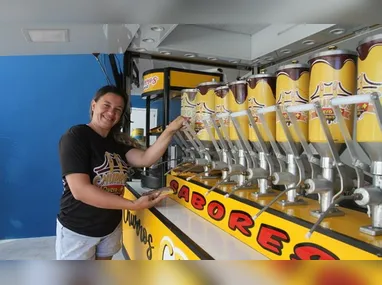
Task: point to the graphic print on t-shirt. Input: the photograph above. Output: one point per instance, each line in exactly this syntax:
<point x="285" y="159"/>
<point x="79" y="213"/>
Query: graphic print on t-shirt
<point x="112" y="175"/>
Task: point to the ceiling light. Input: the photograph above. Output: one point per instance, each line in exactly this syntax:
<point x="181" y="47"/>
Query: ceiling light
<point x="189" y="55"/>
<point x="308" y="42"/>
<point x="286" y="51"/>
<point x="233" y="61"/>
<point x="337" y="31"/>
<point x="157" y="29"/>
<point x="256" y="60"/>
<point x="165" y="52"/>
<point x="148" y="40"/>
<point x="212" y="58"/>
<point x="268" y="58"/>
<point x="47" y="35"/>
<point x="140" y="49"/>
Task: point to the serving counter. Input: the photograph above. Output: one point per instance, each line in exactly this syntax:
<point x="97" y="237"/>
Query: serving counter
<point x="170" y="231"/>
<point x="279" y="233"/>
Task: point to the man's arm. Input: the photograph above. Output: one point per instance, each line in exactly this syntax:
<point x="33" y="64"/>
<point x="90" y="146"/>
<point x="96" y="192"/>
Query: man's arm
<point x="146" y="158"/>
<point x="90" y="194"/>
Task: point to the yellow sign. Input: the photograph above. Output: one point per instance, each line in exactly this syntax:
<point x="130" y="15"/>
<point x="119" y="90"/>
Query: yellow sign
<point x="148" y="235"/>
<point x="273" y="234"/>
<point x="153" y="82"/>
<point x="189" y="78"/>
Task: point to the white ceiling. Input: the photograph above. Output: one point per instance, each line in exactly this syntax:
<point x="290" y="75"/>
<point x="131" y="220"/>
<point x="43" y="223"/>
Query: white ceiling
<point x="188" y="12"/>
<point x="248" y="32"/>
<point x="247" y="29"/>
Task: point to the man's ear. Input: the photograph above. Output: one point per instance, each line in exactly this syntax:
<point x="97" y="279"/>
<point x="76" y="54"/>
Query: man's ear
<point x="93" y="105"/>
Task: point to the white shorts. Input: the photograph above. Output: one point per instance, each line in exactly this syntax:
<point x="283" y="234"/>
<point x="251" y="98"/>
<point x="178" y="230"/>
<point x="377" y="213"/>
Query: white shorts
<point x="74" y="246"/>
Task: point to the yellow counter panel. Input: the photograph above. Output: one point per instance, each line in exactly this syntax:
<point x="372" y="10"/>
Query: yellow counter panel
<point x="170" y="231"/>
<point x="279" y="233"/>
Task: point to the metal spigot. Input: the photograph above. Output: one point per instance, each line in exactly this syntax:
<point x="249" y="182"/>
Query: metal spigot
<point x="186" y="148"/>
<point x="355" y="196"/>
<point x="324" y="188"/>
<point x="372" y="195"/>
<point x="235" y="169"/>
<point x="264" y="189"/>
<point x="197" y="162"/>
<point x="198" y="175"/>
<point x="314" y="163"/>
<point x="253" y="175"/>
<point x="372" y="199"/>
<point x="246" y="155"/>
<point x="213" y="166"/>
<point x="283" y="178"/>
<point x="204" y="153"/>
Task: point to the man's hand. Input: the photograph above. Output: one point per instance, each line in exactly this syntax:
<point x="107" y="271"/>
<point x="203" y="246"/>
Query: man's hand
<point x="177" y="124"/>
<point x="148" y="201"/>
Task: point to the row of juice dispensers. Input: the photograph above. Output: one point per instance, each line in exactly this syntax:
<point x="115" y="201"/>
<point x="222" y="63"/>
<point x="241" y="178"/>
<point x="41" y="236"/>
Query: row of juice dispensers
<point x="291" y="129"/>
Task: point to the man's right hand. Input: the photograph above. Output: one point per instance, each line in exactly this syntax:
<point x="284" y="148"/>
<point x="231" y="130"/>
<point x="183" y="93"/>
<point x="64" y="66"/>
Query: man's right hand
<point x="148" y="201"/>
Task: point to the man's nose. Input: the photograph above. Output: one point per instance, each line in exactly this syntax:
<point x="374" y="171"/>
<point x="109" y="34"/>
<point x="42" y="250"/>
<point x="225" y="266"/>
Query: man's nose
<point x="112" y="112"/>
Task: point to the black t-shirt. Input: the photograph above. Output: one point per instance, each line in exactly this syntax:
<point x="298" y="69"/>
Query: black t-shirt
<point x="82" y="150"/>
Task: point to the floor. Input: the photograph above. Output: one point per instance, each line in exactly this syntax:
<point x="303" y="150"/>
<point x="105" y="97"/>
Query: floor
<point x="32" y="249"/>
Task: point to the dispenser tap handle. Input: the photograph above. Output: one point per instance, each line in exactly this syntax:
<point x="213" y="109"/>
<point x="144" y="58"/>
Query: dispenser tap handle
<point x="164" y="162"/>
<point x="280" y="157"/>
<point x="272" y="202"/>
<point x="217" y="185"/>
<point x="355" y="196"/>
<point x="177" y="167"/>
<point x="188" y="169"/>
<point x="242" y="142"/>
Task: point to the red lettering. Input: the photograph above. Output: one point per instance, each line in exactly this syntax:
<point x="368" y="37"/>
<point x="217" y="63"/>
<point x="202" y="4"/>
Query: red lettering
<point x="174" y="185"/>
<point x="311" y="251"/>
<point x="198" y="201"/>
<point x="271" y="238"/>
<point x="242" y="221"/>
<point x="216" y="210"/>
<point x="184" y="192"/>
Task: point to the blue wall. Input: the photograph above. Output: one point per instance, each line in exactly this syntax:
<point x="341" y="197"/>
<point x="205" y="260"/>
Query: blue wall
<point x="41" y="97"/>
